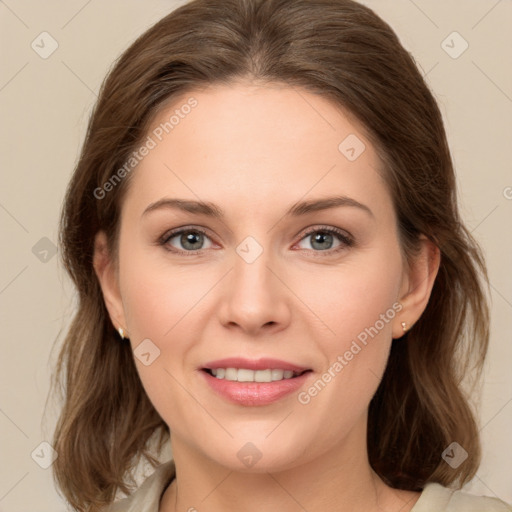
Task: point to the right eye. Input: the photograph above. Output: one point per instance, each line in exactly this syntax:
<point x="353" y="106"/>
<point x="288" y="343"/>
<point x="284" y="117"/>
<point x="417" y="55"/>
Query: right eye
<point x="191" y="240"/>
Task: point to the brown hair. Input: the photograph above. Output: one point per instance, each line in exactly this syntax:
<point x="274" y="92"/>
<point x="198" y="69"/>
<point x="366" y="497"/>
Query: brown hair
<point x="343" y="51"/>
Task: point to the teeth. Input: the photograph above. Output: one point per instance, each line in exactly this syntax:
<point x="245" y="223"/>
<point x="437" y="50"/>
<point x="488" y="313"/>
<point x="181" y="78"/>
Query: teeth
<point x="245" y="375"/>
<point x="277" y="374"/>
<point x="263" y="376"/>
<point x="231" y="374"/>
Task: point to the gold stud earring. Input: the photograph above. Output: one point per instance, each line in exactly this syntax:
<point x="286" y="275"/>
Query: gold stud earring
<point x="404" y="326"/>
<point x="121" y="333"/>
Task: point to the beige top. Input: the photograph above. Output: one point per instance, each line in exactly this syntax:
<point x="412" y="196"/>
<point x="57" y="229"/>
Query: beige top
<point x="434" y="498"/>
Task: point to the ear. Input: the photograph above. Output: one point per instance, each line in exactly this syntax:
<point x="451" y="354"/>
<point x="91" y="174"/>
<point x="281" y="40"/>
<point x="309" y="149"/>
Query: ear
<point x="105" y="269"/>
<point x="419" y="276"/>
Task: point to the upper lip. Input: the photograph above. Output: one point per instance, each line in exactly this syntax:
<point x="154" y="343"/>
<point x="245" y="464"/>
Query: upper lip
<point x="257" y="364"/>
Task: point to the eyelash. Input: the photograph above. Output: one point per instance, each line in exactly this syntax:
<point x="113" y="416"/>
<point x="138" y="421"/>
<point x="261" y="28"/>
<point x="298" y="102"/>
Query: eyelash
<point x="345" y="239"/>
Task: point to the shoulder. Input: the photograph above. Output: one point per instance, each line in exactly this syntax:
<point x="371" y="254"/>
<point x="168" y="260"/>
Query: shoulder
<point x="147" y="497"/>
<point x="450" y="500"/>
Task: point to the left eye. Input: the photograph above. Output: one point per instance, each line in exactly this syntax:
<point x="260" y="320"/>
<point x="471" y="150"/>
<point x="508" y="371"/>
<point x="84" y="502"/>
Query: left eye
<point x="323" y="239"/>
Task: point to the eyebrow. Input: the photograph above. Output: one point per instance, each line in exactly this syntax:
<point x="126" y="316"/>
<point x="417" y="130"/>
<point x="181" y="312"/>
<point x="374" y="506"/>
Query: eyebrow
<point x="296" y="210"/>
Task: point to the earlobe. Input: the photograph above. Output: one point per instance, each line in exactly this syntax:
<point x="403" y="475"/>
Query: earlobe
<point x="105" y="270"/>
<point x="421" y="274"/>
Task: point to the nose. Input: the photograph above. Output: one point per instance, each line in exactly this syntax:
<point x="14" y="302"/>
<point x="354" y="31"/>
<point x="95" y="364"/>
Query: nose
<point x="255" y="298"/>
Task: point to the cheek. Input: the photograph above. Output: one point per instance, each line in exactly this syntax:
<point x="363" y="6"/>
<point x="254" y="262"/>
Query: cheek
<point x="357" y="305"/>
<point x="162" y="305"/>
<point x="347" y="300"/>
<point x="159" y="300"/>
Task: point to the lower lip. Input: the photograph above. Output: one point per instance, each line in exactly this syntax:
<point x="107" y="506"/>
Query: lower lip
<point x="254" y="393"/>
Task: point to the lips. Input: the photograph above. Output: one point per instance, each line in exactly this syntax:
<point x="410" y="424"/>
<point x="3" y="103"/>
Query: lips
<point x="255" y="393"/>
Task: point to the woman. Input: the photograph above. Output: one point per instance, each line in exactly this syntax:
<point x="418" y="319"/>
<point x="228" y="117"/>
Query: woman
<point x="229" y="143"/>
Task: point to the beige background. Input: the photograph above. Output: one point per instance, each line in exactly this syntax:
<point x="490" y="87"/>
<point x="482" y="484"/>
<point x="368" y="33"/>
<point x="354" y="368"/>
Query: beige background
<point x="45" y="105"/>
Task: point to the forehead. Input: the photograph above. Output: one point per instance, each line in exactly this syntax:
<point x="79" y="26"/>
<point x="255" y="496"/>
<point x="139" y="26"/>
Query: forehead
<point x="259" y="143"/>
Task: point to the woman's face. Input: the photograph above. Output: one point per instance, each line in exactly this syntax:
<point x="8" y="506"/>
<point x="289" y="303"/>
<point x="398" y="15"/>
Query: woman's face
<point x="268" y="277"/>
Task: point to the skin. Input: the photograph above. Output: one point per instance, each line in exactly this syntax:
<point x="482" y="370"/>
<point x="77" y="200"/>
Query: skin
<point x="255" y="151"/>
